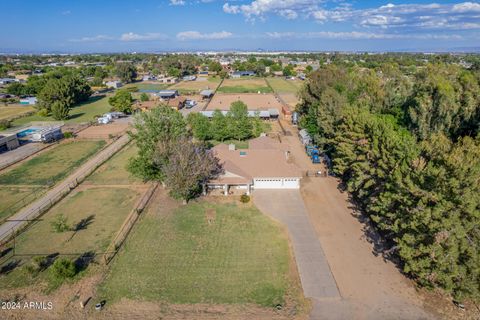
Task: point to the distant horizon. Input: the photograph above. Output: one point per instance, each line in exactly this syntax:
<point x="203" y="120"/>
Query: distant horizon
<point x="194" y="25"/>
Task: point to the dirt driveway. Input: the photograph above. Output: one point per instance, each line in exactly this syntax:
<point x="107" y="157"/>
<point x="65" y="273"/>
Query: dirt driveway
<point x="371" y="287"/>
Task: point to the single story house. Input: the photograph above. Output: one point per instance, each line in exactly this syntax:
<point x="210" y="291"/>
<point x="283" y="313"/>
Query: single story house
<point x="239" y="74"/>
<point x="29" y="101"/>
<point x="167" y="94"/>
<point x="115" y="84"/>
<point x="189" y="78"/>
<point x="256" y="168"/>
<point x="177" y="103"/>
<point x="262" y="114"/>
<point x="167" y="80"/>
<point x="7" y="80"/>
<point x="8" y="142"/>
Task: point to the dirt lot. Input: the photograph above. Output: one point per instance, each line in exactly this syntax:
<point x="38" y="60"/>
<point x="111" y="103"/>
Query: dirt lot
<point x="103" y="131"/>
<point x="254" y="101"/>
<point x="290" y="98"/>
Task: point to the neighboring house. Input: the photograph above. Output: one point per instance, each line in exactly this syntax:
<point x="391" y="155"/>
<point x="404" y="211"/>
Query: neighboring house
<point x="47" y="134"/>
<point x="265" y="165"/>
<point x="167" y="94"/>
<point x="8" y="142"/>
<point x="4" y="81"/>
<point x="148" y="78"/>
<point x="115" y="84"/>
<point x="239" y="74"/>
<point x="177" y="103"/>
<point x="167" y="80"/>
<point x="189" y="78"/>
<point x="29" y="101"/>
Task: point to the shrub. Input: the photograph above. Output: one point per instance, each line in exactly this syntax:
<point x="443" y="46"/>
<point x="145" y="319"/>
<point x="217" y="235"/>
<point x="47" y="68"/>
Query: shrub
<point x="37" y="264"/>
<point x="63" y="268"/>
<point x="60" y="224"/>
<point x="245" y="198"/>
<point x="43" y="113"/>
<point x="68" y="135"/>
<point x="4" y="124"/>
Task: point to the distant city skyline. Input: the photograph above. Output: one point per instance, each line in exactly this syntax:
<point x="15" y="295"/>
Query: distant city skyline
<point x="204" y="25"/>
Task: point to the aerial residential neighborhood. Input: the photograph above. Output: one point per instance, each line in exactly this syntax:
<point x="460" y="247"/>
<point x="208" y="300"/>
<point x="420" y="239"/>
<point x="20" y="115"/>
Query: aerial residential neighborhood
<point x="240" y="160"/>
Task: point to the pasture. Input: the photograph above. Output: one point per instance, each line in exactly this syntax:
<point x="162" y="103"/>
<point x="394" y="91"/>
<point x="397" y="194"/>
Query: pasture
<point x="7" y="113"/>
<point x="197" y="85"/>
<point x="52" y="165"/>
<point x="244" y="85"/>
<point x="281" y="85"/>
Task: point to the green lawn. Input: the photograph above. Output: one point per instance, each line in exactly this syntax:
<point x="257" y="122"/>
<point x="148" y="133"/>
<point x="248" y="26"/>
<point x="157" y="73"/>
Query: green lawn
<point x="83" y="112"/>
<point x="53" y="165"/>
<point x="114" y="171"/>
<point x="281" y="85"/>
<point x="242" y="257"/>
<point x="238" y="144"/>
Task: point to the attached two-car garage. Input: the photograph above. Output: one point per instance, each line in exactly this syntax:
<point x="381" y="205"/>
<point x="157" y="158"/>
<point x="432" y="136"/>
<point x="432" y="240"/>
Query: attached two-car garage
<point x="276" y="183"/>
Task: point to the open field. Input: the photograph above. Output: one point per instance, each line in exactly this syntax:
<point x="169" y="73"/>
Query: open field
<point x="197" y="85"/>
<point x="148" y="85"/>
<point x="178" y="257"/>
<point x="104" y="131"/>
<point x="95" y="215"/>
<point x="114" y="172"/>
<point x="83" y="112"/>
<point x="281" y="85"/>
<point x="245" y="85"/>
<point x="13" y="112"/>
<point x="52" y="165"/>
<point x="254" y="101"/>
<point x="16" y="197"/>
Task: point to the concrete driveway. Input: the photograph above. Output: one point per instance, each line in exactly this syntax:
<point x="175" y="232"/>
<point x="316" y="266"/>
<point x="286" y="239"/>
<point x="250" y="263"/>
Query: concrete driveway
<point x="287" y="206"/>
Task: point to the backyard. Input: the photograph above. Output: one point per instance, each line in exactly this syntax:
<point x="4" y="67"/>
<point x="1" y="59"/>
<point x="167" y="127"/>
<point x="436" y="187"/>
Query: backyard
<point x="245" y="85"/>
<point x="281" y="85"/>
<point x="203" y="253"/>
<point x="83" y="112"/>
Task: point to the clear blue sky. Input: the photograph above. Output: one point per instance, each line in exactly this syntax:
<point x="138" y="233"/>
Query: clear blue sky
<point x="158" y="25"/>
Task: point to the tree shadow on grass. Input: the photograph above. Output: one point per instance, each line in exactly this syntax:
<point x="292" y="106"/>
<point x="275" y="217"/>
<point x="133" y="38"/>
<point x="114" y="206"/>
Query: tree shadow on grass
<point x="9" y="267"/>
<point x="82" y="262"/>
<point x="82" y="225"/>
<point x="77" y="115"/>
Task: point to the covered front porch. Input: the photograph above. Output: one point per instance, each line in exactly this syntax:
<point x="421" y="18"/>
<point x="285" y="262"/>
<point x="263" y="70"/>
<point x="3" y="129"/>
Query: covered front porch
<point x="227" y="189"/>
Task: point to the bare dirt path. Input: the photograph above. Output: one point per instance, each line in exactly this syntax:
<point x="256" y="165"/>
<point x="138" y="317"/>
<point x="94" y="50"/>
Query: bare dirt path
<point x="371" y="288"/>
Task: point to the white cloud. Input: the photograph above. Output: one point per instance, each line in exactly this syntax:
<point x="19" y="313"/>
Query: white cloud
<point x="467" y="7"/>
<point x="130" y="36"/>
<point x="195" y="35"/>
<point x="460" y="16"/>
<point x="177" y="2"/>
<point x="66" y="12"/>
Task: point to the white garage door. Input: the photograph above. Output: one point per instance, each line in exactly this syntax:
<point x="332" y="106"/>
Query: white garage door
<point x="291" y="183"/>
<point x="268" y="184"/>
<point x="276" y="183"/>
